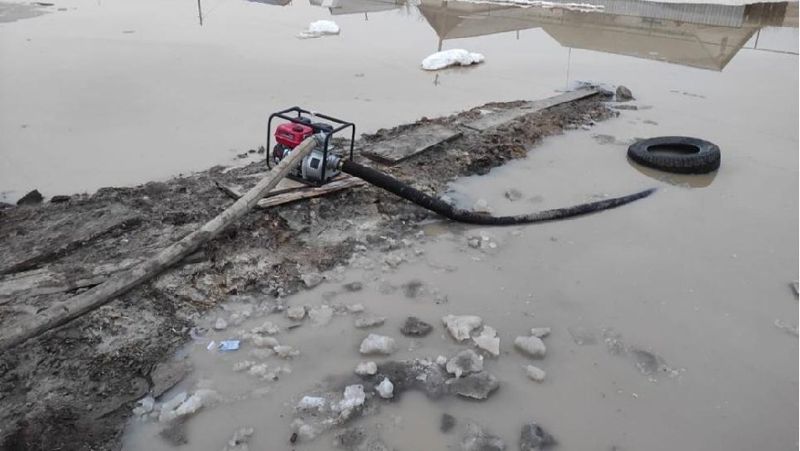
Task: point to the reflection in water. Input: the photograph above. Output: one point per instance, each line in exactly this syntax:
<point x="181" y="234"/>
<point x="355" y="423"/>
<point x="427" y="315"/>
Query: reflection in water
<point x="704" y="36"/>
<point x="682" y="180"/>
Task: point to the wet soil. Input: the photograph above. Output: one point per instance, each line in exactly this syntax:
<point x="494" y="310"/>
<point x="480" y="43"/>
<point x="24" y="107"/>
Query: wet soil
<point x="73" y="388"/>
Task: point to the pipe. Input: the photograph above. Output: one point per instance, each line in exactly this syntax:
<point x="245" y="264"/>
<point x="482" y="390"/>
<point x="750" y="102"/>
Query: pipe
<point x="431" y="203"/>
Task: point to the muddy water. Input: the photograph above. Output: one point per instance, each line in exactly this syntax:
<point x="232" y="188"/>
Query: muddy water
<point x="99" y="93"/>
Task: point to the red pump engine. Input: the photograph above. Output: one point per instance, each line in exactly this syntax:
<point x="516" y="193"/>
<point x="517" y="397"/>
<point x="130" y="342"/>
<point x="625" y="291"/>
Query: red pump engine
<point x="289" y="136"/>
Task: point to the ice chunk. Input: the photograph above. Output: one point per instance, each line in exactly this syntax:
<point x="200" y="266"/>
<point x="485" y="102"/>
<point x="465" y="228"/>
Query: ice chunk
<point x="535" y="373"/>
<point x="267" y="328"/>
<point x="320" y="28"/>
<point x="370" y="321"/>
<point x="264" y="342"/>
<point x="311" y="403"/>
<point x="321" y="315"/>
<point x="488" y="341"/>
<point x="385" y="389"/>
<point x="465" y="362"/>
<point x="445" y="58"/>
<point x="354" y="396"/>
<point x="461" y="326"/>
<point x="533" y="346"/>
<point x="377" y="344"/>
<point x="221" y="324"/>
<point x="366" y="368"/>
<point x="296" y="313"/>
<point x="286" y="352"/>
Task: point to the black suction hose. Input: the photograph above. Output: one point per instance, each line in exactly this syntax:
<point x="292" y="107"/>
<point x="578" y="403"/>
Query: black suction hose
<point x="431" y="203"/>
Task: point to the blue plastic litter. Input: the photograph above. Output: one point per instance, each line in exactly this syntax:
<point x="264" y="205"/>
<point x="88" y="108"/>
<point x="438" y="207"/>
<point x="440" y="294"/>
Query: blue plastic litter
<point x="228" y="345"/>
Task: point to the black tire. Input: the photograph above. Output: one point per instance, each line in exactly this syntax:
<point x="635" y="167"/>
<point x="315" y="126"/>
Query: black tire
<point x="678" y="154"/>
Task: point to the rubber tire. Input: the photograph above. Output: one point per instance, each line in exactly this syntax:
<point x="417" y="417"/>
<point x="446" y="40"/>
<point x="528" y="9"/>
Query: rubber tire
<point x="706" y="159"/>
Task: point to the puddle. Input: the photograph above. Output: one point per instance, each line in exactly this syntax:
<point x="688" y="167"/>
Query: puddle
<point x="104" y="85"/>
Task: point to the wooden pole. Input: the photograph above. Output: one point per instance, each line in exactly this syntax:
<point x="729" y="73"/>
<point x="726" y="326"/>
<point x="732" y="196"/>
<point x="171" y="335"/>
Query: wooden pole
<point x="69" y="309"/>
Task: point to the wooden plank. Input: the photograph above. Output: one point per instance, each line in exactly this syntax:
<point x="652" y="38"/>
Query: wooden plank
<point x="412" y="143"/>
<point x="503" y="117"/>
<point x="337" y="184"/>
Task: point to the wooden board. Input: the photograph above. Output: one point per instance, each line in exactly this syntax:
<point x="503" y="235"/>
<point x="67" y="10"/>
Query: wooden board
<point x="503" y="117"/>
<point x="412" y="143"/>
<point x="292" y="190"/>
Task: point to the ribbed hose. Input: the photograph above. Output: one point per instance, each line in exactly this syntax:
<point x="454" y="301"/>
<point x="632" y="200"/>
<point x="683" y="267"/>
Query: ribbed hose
<point x="399" y="188"/>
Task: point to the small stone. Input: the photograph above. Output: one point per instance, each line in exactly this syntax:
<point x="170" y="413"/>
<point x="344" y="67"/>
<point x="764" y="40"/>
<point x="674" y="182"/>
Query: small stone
<point x="353" y="286"/>
<point x="532" y="346"/>
<point x="476" y="386"/>
<point x="311" y="280"/>
<point x="447" y="423"/>
<point x="321" y="315"/>
<point x="220" y="324"/>
<point x="465" y="362"/>
<point x="32" y="198"/>
<point x="60" y="199"/>
<point x="513" y="194"/>
<point x="296" y="313"/>
<point x="461" y="326"/>
<point x="624" y="94"/>
<point x="366" y="368"/>
<point x="385" y="389"/>
<point x="415" y="327"/>
<point x="535" y="373"/>
<point x="369" y="321"/>
<point x="477" y="439"/>
<point x="534" y="438"/>
<point x="377" y="344"/>
<point x="488" y="341"/>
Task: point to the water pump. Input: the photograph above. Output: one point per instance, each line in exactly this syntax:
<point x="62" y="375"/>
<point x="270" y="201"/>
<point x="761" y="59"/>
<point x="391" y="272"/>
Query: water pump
<point x="322" y="164"/>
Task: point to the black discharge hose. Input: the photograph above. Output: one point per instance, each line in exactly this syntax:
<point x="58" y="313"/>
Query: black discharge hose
<point x="431" y="203"/>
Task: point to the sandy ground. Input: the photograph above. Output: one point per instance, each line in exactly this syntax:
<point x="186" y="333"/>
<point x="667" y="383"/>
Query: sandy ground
<point x="673" y="323"/>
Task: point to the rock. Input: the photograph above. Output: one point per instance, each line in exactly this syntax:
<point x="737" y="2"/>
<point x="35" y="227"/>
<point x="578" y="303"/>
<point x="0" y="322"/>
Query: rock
<point x="311" y="280"/>
<point x="540" y="332"/>
<point x="369" y="321"/>
<point x="239" y="440"/>
<point x="535" y="373"/>
<point x="488" y="341"/>
<point x="296" y="313"/>
<point x="534" y="438"/>
<point x="415" y="327"/>
<point x="513" y="194"/>
<point x="477" y="439"/>
<point x="60" y="199"/>
<point x="220" y="324"/>
<point x="354" y="396"/>
<point x="447" y="423"/>
<point x="624" y="94"/>
<point x="353" y="286"/>
<point x="32" y="198"/>
<point x="366" y="368"/>
<point x="476" y="386"/>
<point x="532" y="346"/>
<point x="311" y="403"/>
<point x="465" y="362"/>
<point x="321" y="315"/>
<point x="377" y="344"/>
<point x="461" y="326"/>
<point x="166" y="375"/>
<point x="385" y="389"/>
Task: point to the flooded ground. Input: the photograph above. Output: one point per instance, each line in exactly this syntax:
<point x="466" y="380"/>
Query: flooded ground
<point x="143" y="91"/>
<point x="673" y="323"/>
